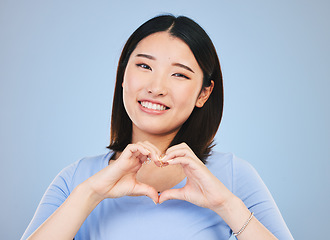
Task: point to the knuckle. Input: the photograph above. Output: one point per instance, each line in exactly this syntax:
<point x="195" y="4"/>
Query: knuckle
<point x="184" y="144"/>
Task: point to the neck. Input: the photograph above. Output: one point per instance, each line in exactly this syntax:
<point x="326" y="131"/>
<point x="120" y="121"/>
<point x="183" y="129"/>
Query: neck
<point x="160" y="141"/>
<point x="159" y="178"/>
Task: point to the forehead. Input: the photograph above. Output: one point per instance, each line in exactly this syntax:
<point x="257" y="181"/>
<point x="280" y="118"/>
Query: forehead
<point x="162" y="45"/>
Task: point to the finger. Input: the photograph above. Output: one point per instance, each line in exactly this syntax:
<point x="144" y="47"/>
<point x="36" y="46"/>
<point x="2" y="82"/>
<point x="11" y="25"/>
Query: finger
<point x="172" y="194"/>
<point x="181" y="146"/>
<point x="181" y="150"/>
<point x="156" y="153"/>
<point x="192" y="169"/>
<point x="153" y="151"/>
<point x="131" y="157"/>
<point x="142" y="189"/>
<point x="134" y="150"/>
<point x="181" y="157"/>
<point x="151" y="146"/>
<point x="195" y="171"/>
<point x="185" y="152"/>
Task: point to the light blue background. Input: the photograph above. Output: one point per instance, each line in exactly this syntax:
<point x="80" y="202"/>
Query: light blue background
<point x="57" y="72"/>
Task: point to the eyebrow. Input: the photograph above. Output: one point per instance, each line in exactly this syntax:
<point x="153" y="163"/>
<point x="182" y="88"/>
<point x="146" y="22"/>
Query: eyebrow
<point x="183" y="66"/>
<point x="173" y="64"/>
<point x="145" y="56"/>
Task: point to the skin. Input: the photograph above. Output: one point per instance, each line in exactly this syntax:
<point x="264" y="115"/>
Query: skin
<point x="152" y="75"/>
<point x="157" y="78"/>
<point x="170" y="76"/>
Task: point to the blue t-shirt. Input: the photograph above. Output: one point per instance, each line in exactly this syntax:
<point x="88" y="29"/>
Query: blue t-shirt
<point x="139" y="218"/>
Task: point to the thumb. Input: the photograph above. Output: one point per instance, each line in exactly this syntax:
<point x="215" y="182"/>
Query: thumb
<point x="142" y="189"/>
<point x="172" y="194"/>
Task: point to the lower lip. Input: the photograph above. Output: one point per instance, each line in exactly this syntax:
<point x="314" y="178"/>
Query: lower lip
<point x="152" y="111"/>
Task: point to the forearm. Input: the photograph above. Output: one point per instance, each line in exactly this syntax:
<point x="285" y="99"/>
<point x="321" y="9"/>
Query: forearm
<point x="65" y="222"/>
<point x="236" y="214"/>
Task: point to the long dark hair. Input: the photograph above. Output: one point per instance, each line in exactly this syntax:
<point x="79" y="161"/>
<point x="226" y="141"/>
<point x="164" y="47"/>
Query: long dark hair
<point x="201" y="126"/>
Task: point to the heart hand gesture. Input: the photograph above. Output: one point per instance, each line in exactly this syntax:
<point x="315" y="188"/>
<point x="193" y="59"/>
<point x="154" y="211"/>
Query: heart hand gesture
<point x="202" y="187"/>
<point x="119" y="178"/>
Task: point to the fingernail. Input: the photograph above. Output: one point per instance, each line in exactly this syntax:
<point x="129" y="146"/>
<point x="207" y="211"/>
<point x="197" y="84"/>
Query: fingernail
<point x="154" y="202"/>
<point x="161" y="164"/>
<point x="170" y="160"/>
<point x="165" y="164"/>
<point x="162" y="157"/>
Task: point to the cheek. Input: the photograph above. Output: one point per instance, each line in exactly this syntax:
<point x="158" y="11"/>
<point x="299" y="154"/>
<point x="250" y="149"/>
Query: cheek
<point x="130" y="83"/>
<point x="186" y="96"/>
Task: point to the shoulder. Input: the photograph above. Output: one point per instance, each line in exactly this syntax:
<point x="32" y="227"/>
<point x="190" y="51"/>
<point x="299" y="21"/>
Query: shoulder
<point x="229" y="162"/>
<point x="239" y="176"/>
<point x="220" y="159"/>
<point x="82" y="169"/>
<point x="233" y="171"/>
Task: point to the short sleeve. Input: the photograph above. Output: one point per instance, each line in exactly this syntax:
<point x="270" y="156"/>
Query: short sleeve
<point x="249" y="187"/>
<point x="55" y="195"/>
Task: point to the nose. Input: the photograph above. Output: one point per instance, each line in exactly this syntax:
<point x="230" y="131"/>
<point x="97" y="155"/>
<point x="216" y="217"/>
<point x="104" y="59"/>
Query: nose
<point x="158" y="86"/>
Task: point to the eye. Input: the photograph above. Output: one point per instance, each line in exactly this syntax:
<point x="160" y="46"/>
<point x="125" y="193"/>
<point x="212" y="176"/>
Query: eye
<point x="180" y="75"/>
<point x="145" y="66"/>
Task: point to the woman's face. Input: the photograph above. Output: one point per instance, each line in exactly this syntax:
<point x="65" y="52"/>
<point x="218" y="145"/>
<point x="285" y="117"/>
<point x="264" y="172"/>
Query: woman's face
<point x="162" y="84"/>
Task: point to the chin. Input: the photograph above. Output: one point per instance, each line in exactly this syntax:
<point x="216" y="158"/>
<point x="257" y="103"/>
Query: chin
<point x="156" y="130"/>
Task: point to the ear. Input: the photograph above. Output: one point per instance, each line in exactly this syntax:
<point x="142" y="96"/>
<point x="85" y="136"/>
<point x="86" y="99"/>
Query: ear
<point x="204" y="95"/>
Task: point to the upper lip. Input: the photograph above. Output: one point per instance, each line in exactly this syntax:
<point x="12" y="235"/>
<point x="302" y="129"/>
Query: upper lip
<point x="154" y="102"/>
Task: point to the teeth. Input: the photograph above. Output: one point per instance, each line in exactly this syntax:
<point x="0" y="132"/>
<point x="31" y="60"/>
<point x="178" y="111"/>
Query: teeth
<point x="153" y="106"/>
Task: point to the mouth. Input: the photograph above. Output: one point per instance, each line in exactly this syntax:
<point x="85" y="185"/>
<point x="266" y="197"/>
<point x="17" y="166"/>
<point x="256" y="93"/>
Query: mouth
<point x="153" y="106"/>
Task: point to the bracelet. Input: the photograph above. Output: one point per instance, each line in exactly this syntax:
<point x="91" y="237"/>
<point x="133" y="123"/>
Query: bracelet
<point x="244" y="226"/>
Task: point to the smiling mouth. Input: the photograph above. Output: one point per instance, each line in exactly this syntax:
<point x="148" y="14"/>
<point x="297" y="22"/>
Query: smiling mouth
<point x="153" y="106"/>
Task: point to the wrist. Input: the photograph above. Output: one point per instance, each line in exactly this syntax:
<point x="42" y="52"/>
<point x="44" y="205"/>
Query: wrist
<point x="234" y="213"/>
<point x="227" y="206"/>
<point x="86" y="192"/>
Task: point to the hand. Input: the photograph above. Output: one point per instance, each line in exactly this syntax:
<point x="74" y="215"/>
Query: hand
<point x="202" y="187"/>
<point x="119" y="178"/>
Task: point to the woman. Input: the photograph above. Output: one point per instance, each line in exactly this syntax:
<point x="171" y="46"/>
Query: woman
<point x="167" y="108"/>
